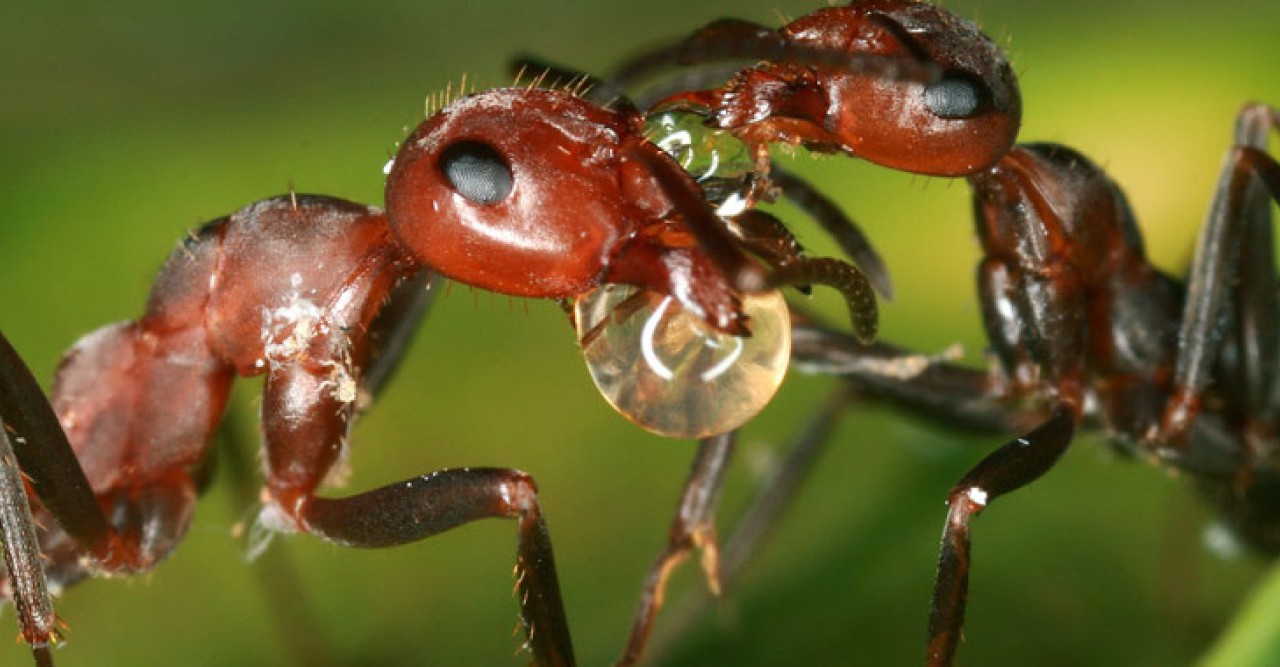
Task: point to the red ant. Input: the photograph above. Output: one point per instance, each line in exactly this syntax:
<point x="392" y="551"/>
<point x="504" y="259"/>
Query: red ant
<point x="523" y="191"/>
<point x="830" y="348"/>
<point x="1076" y="315"/>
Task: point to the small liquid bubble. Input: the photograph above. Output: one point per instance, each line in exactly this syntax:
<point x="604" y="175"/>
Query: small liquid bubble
<point x="721" y="163"/>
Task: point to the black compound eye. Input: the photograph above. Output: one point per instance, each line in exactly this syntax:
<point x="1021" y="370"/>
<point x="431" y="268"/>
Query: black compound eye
<point x="477" y="172"/>
<point x="957" y="96"/>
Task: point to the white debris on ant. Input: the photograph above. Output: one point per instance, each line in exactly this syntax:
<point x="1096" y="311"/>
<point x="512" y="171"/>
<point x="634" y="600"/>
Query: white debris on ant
<point x="287" y="331"/>
<point x="341" y="384"/>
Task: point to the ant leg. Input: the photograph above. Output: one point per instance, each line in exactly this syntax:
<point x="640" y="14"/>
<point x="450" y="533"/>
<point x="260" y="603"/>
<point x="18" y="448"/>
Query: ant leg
<point x="288" y="600"/>
<point x="844" y="277"/>
<point x="1217" y="253"/>
<point x="952" y="394"/>
<point x="925" y="384"/>
<point x="45" y="455"/>
<point x="766" y="236"/>
<point x="418" y="508"/>
<point x="769" y="502"/>
<point x="738" y="40"/>
<point x="693" y="528"/>
<point x="1012" y="466"/>
<point x="304" y="424"/>
<point x="22" y="558"/>
<point x="1255" y="297"/>
<point x="841" y="228"/>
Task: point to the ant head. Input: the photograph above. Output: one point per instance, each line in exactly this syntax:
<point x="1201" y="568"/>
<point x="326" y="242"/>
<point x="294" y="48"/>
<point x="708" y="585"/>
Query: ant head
<point x="513" y="190"/>
<point x="540" y="193"/>
<point x="960" y="122"/>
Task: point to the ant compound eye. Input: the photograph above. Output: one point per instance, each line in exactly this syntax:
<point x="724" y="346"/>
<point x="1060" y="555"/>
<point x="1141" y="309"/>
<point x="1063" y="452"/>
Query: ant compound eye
<point x="670" y="372"/>
<point x="477" y="172"/>
<point x="957" y="96"/>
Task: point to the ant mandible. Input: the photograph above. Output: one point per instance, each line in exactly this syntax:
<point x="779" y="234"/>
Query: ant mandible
<point x="1076" y="314"/>
<point x="523" y="191"/>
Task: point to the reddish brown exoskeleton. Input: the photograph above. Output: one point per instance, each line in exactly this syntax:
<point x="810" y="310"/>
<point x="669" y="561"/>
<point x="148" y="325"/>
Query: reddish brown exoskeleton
<point x="1077" y="316"/>
<point x="812" y="88"/>
<point x="528" y="192"/>
<point x="1183" y="373"/>
<point x="950" y="108"/>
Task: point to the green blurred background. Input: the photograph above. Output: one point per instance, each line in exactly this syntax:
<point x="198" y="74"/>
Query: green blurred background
<point x="123" y="125"/>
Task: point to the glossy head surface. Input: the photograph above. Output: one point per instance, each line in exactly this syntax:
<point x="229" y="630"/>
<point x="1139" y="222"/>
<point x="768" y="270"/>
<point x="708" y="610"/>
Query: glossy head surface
<point x="959" y="123"/>
<point x="513" y="190"/>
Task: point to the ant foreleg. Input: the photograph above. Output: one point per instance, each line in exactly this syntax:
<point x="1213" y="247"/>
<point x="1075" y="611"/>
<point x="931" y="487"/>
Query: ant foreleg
<point x="739" y="40"/>
<point x="766" y="236"/>
<point x="304" y="440"/>
<point x="843" y="277"/>
<point x="1010" y="467"/>
<point x="1237" y="205"/>
<point x="927" y="385"/>
<point x="930" y="385"/>
<point x="693" y="528"/>
<point x="289" y="602"/>
<point x="418" y="508"/>
<point x="837" y="224"/>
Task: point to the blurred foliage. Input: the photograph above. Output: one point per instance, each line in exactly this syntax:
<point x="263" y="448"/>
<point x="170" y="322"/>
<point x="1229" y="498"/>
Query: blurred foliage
<point x="124" y="124"/>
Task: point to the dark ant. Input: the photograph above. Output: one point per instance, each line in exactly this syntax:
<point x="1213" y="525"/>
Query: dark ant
<point x="522" y="191"/>
<point x="1077" y="316"/>
<point x="1179" y="373"/>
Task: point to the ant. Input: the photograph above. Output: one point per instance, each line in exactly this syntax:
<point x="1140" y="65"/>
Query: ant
<point x="594" y="444"/>
<point x="950" y="108"/>
<point x="522" y="191"/>
<point x="1077" y="317"/>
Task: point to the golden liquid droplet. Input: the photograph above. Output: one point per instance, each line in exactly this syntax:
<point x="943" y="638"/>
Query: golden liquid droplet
<point x="673" y="374"/>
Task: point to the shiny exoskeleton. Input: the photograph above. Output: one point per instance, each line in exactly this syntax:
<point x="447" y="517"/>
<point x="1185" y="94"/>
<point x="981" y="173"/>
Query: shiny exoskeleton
<point x="902" y="84"/>
<point x="1179" y="371"/>
<point x="952" y="109"/>
<point x="1076" y="315"/>
<point x="528" y="192"/>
